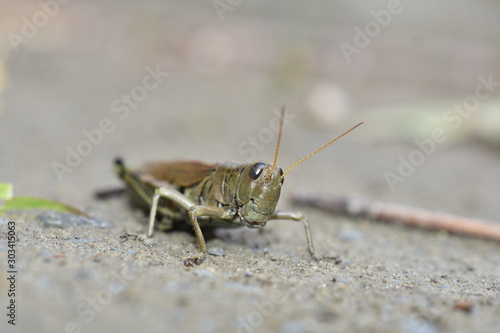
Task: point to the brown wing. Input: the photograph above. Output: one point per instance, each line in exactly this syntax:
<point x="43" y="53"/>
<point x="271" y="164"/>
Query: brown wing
<point x="181" y="173"/>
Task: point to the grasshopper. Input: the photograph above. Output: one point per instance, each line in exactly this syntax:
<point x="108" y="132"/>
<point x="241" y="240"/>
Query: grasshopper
<point x="201" y="195"/>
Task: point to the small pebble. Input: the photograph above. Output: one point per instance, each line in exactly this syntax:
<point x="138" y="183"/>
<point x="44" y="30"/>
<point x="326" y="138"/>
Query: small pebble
<point x="148" y="241"/>
<point x="81" y="240"/>
<point x="345" y="263"/>
<point x="65" y="220"/>
<point x="216" y="251"/>
<point x="466" y="305"/>
<point x="130" y="252"/>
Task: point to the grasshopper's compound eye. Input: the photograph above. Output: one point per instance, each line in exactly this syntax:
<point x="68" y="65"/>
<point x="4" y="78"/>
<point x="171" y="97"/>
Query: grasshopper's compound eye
<point x="256" y="170"/>
<point x="281" y="174"/>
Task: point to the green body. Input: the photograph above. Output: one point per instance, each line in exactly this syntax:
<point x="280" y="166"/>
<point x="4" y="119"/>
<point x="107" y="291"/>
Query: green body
<point x="249" y="192"/>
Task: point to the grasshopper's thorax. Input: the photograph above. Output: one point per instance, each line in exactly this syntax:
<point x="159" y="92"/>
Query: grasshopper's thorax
<point x="250" y="191"/>
<point x="258" y="192"/>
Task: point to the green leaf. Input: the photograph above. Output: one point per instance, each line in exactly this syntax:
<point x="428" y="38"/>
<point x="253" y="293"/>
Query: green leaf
<point x="38" y="203"/>
<point x="5" y="191"/>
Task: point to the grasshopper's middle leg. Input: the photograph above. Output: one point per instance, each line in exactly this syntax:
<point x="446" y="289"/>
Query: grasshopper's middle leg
<point x="194" y="212"/>
<point x="298" y="216"/>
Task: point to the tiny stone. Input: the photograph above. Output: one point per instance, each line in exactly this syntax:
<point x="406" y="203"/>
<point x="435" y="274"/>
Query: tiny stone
<point x="130" y="252"/>
<point x="65" y="220"/>
<point x="216" y="251"/>
<point x="345" y="263"/>
<point x="148" y="241"/>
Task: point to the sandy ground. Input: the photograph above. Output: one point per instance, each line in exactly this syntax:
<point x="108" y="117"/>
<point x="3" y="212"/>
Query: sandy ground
<point x="224" y="79"/>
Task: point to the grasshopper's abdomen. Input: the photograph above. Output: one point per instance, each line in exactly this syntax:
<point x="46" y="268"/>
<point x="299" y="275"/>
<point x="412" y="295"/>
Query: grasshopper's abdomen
<point x="142" y="188"/>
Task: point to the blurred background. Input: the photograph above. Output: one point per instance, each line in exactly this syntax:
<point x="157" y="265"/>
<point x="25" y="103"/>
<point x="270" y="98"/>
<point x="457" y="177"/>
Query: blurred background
<point x="222" y="67"/>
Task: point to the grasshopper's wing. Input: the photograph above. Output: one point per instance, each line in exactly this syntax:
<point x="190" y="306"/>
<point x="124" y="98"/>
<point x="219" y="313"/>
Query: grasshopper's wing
<point x="180" y="173"/>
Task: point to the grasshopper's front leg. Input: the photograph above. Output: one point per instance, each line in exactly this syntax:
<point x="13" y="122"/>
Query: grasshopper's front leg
<point x="194" y="212"/>
<point x="298" y="216"/>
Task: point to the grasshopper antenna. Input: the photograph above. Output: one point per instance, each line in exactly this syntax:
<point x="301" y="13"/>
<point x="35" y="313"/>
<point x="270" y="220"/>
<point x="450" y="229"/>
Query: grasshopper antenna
<point x="317" y="150"/>
<point x="279" y="139"/>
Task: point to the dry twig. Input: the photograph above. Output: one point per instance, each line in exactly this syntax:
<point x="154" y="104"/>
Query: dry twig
<point x="404" y="215"/>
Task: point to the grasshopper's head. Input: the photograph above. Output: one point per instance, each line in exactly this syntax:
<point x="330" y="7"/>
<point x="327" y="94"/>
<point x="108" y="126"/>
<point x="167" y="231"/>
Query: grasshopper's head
<point x="259" y="189"/>
<point x="259" y="185"/>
